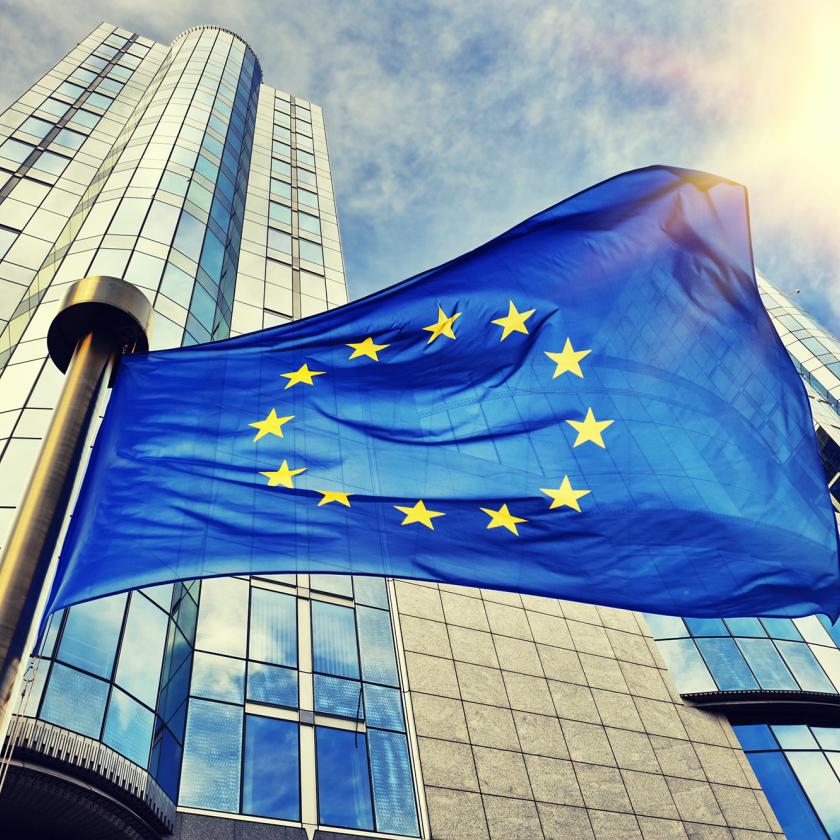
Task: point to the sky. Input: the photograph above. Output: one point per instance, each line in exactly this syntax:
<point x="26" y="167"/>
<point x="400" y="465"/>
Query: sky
<point x="449" y="122"/>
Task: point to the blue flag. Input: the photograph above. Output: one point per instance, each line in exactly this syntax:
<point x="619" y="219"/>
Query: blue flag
<point x="593" y="406"/>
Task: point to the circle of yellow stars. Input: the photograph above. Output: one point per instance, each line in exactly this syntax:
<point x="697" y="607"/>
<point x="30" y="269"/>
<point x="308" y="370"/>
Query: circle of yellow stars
<point x="566" y="360"/>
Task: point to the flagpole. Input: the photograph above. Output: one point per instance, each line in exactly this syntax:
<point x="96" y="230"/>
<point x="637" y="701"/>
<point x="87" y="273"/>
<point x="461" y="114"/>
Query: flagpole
<point x="100" y="319"/>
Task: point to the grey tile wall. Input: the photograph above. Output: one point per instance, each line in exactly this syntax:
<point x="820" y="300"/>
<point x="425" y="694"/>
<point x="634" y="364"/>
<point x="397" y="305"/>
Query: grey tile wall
<point x="539" y="718"/>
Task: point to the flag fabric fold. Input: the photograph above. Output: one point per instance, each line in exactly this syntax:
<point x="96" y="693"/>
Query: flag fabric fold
<point x="593" y="406"/>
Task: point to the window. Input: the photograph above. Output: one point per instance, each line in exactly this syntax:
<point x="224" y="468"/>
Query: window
<point x="344" y="793"/>
<point x="128" y="727"/>
<point x="800" y="772"/>
<point x="279" y="241"/>
<point x="90" y="636"/>
<point x="85" y="118"/>
<point x="309" y="223"/>
<point x="35" y="127"/>
<point x="279" y="213"/>
<point x="75" y="701"/>
<point x="16" y="151"/>
<point x="311" y="252"/>
<point x="273" y="627"/>
<point x="212" y="755"/>
<point x="271" y="772"/>
<point x="51" y="162"/>
<point x="334" y="648"/>
<point x="69" y="139"/>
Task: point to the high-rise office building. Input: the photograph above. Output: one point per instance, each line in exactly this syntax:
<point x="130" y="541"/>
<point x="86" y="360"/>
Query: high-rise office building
<point x="287" y="706"/>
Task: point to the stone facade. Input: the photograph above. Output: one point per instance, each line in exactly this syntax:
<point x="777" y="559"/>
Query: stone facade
<point x="539" y="718"/>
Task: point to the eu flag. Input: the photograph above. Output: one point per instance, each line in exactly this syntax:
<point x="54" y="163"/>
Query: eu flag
<point x="593" y="405"/>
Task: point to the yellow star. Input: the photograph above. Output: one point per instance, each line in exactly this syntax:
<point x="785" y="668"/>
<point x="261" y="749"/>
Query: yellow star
<point x="443" y="325"/>
<point x="514" y="321"/>
<point x="503" y="518"/>
<point x="419" y="513"/>
<point x="272" y="425"/>
<point x="302" y="374"/>
<point x="367" y="348"/>
<point x="334" y="496"/>
<point x="568" y="360"/>
<point x="564" y="495"/>
<point x="282" y="475"/>
<point x="589" y="429"/>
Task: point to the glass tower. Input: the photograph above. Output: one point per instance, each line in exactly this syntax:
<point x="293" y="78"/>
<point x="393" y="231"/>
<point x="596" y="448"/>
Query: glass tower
<point x="293" y="706"/>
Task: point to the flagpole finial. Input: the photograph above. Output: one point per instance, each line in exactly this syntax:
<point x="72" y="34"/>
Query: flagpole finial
<point x="103" y="305"/>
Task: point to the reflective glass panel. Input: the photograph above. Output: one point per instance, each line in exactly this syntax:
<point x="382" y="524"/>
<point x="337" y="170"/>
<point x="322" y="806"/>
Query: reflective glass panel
<point x="271" y="774"/>
<point x="128" y="727"/>
<point x="85" y="118"/>
<point x="343" y="780"/>
<point x="686" y="665"/>
<point x="36" y="127"/>
<point x="706" y="627"/>
<point x="781" y="628"/>
<point x="336" y="584"/>
<point x="223" y="616"/>
<point x="376" y="644"/>
<point x="393" y="794"/>
<point x="334" y="640"/>
<point x="212" y="755"/>
<point x="336" y="696"/>
<point x="804" y="666"/>
<point x="311" y="252"/>
<point x="750" y="627"/>
<point x="75" y="701"/>
<point x="279" y="241"/>
<point x="91" y="633"/>
<point x="52" y="163"/>
<point x="383" y="707"/>
<point x="16" y="150"/>
<point x="218" y="677"/>
<point x="279" y="213"/>
<point x="273" y="627"/>
<point x="726" y="664"/>
<point x="821" y="785"/>
<point x="69" y="139"/>
<point x="141" y="654"/>
<point x="794" y="736"/>
<point x="272" y="684"/>
<point x="371" y="591"/>
<point x="766" y="664"/>
<point x="756" y="737"/>
<point x="789" y="803"/>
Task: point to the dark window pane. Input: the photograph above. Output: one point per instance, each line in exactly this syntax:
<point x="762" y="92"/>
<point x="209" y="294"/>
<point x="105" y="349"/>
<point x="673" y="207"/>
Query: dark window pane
<point x="272" y="684"/>
<point x="128" y="727"/>
<point x="376" y="644"/>
<point x="756" y="737"/>
<point x="75" y="701"/>
<point x="271" y="778"/>
<point x="334" y="640"/>
<point x="726" y="664"/>
<point x="273" y="627"/>
<point x="393" y="792"/>
<point x="335" y="696"/>
<point x="343" y="780"/>
<point x="91" y="633"/>
<point x="786" y="797"/>
<point x="212" y="754"/>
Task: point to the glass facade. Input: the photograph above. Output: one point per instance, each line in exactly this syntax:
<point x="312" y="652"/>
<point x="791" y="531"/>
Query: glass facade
<point x="797" y="766"/>
<point x="178" y="170"/>
<point x="301" y="675"/>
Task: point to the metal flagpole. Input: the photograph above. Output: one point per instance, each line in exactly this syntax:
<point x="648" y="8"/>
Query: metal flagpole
<point x="100" y="319"/>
